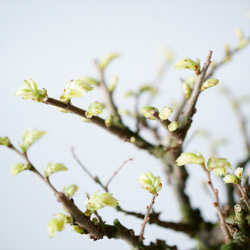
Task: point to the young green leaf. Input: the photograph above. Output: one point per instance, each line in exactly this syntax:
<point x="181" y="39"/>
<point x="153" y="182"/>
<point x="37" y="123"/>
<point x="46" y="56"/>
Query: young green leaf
<point x="53" y="168"/>
<point x="96" y="202"/>
<point x="90" y="80"/>
<point x="187" y="63"/>
<point x="150" y="182"/>
<point x="95" y="108"/>
<point x="107" y="59"/>
<point x="219" y="165"/>
<point x="69" y="191"/>
<point x="57" y="224"/>
<point x="75" y="89"/>
<point x="190" y="158"/>
<point x="19" y="167"/>
<point x="209" y="83"/>
<point x="29" y="137"/>
<point x="29" y="91"/>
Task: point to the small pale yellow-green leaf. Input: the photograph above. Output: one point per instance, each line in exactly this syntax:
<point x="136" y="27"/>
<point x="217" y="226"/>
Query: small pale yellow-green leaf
<point x="96" y="202"/>
<point x="53" y="168"/>
<point x="190" y="158"/>
<point x="150" y="182"/>
<point x="107" y="59"/>
<point x="19" y="167"/>
<point x="69" y="191"/>
<point x="29" y="137"/>
<point x="29" y="91"/>
<point x="94" y="109"/>
<point x="209" y="83"/>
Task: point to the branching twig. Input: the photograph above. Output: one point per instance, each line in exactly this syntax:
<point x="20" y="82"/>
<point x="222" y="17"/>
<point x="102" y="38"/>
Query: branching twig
<point x="123" y="133"/>
<point x="116" y="172"/>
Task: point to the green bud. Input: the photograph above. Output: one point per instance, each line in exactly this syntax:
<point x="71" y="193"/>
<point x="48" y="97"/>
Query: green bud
<point x="95" y="108"/>
<point x="148" y="112"/>
<point x="187" y="63"/>
<point x="70" y="190"/>
<point x="109" y="120"/>
<point x="57" y="224"/>
<point x="77" y="229"/>
<point x="29" y="91"/>
<point x="29" y="137"/>
<point x="53" y="168"/>
<point x="150" y="182"/>
<point x="190" y="158"/>
<point x="5" y="141"/>
<point x="19" y="167"/>
<point x="187" y="90"/>
<point x="165" y="113"/>
<point x="238" y="173"/>
<point x="96" y="202"/>
<point x="75" y="89"/>
<point x="132" y="139"/>
<point x="230" y="178"/>
<point x="173" y="126"/>
<point x="107" y="59"/>
<point x="209" y="83"/>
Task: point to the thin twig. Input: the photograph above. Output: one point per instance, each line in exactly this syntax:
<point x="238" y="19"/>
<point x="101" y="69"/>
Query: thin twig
<point x="224" y="228"/>
<point x="116" y="172"/>
<point x="110" y="105"/>
<point x="124" y="133"/>
<point x="80" y="164"/>
<point x="146" y="217"/>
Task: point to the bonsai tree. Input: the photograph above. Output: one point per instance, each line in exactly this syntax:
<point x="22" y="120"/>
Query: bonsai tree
<point x="160" y="131"/>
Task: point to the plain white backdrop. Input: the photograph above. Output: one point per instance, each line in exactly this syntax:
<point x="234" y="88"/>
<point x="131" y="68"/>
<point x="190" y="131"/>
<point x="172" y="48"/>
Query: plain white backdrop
<point x="55" y="41"/>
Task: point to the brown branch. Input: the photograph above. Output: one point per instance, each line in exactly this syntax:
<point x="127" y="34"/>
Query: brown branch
<point x="124" y="133"/>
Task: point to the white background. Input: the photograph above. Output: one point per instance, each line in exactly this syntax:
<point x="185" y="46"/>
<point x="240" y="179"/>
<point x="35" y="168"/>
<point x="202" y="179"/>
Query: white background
<point x="55" y="41"/>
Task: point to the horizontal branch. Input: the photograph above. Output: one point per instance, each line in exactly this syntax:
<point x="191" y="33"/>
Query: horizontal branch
<point x="124" y="133"/>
